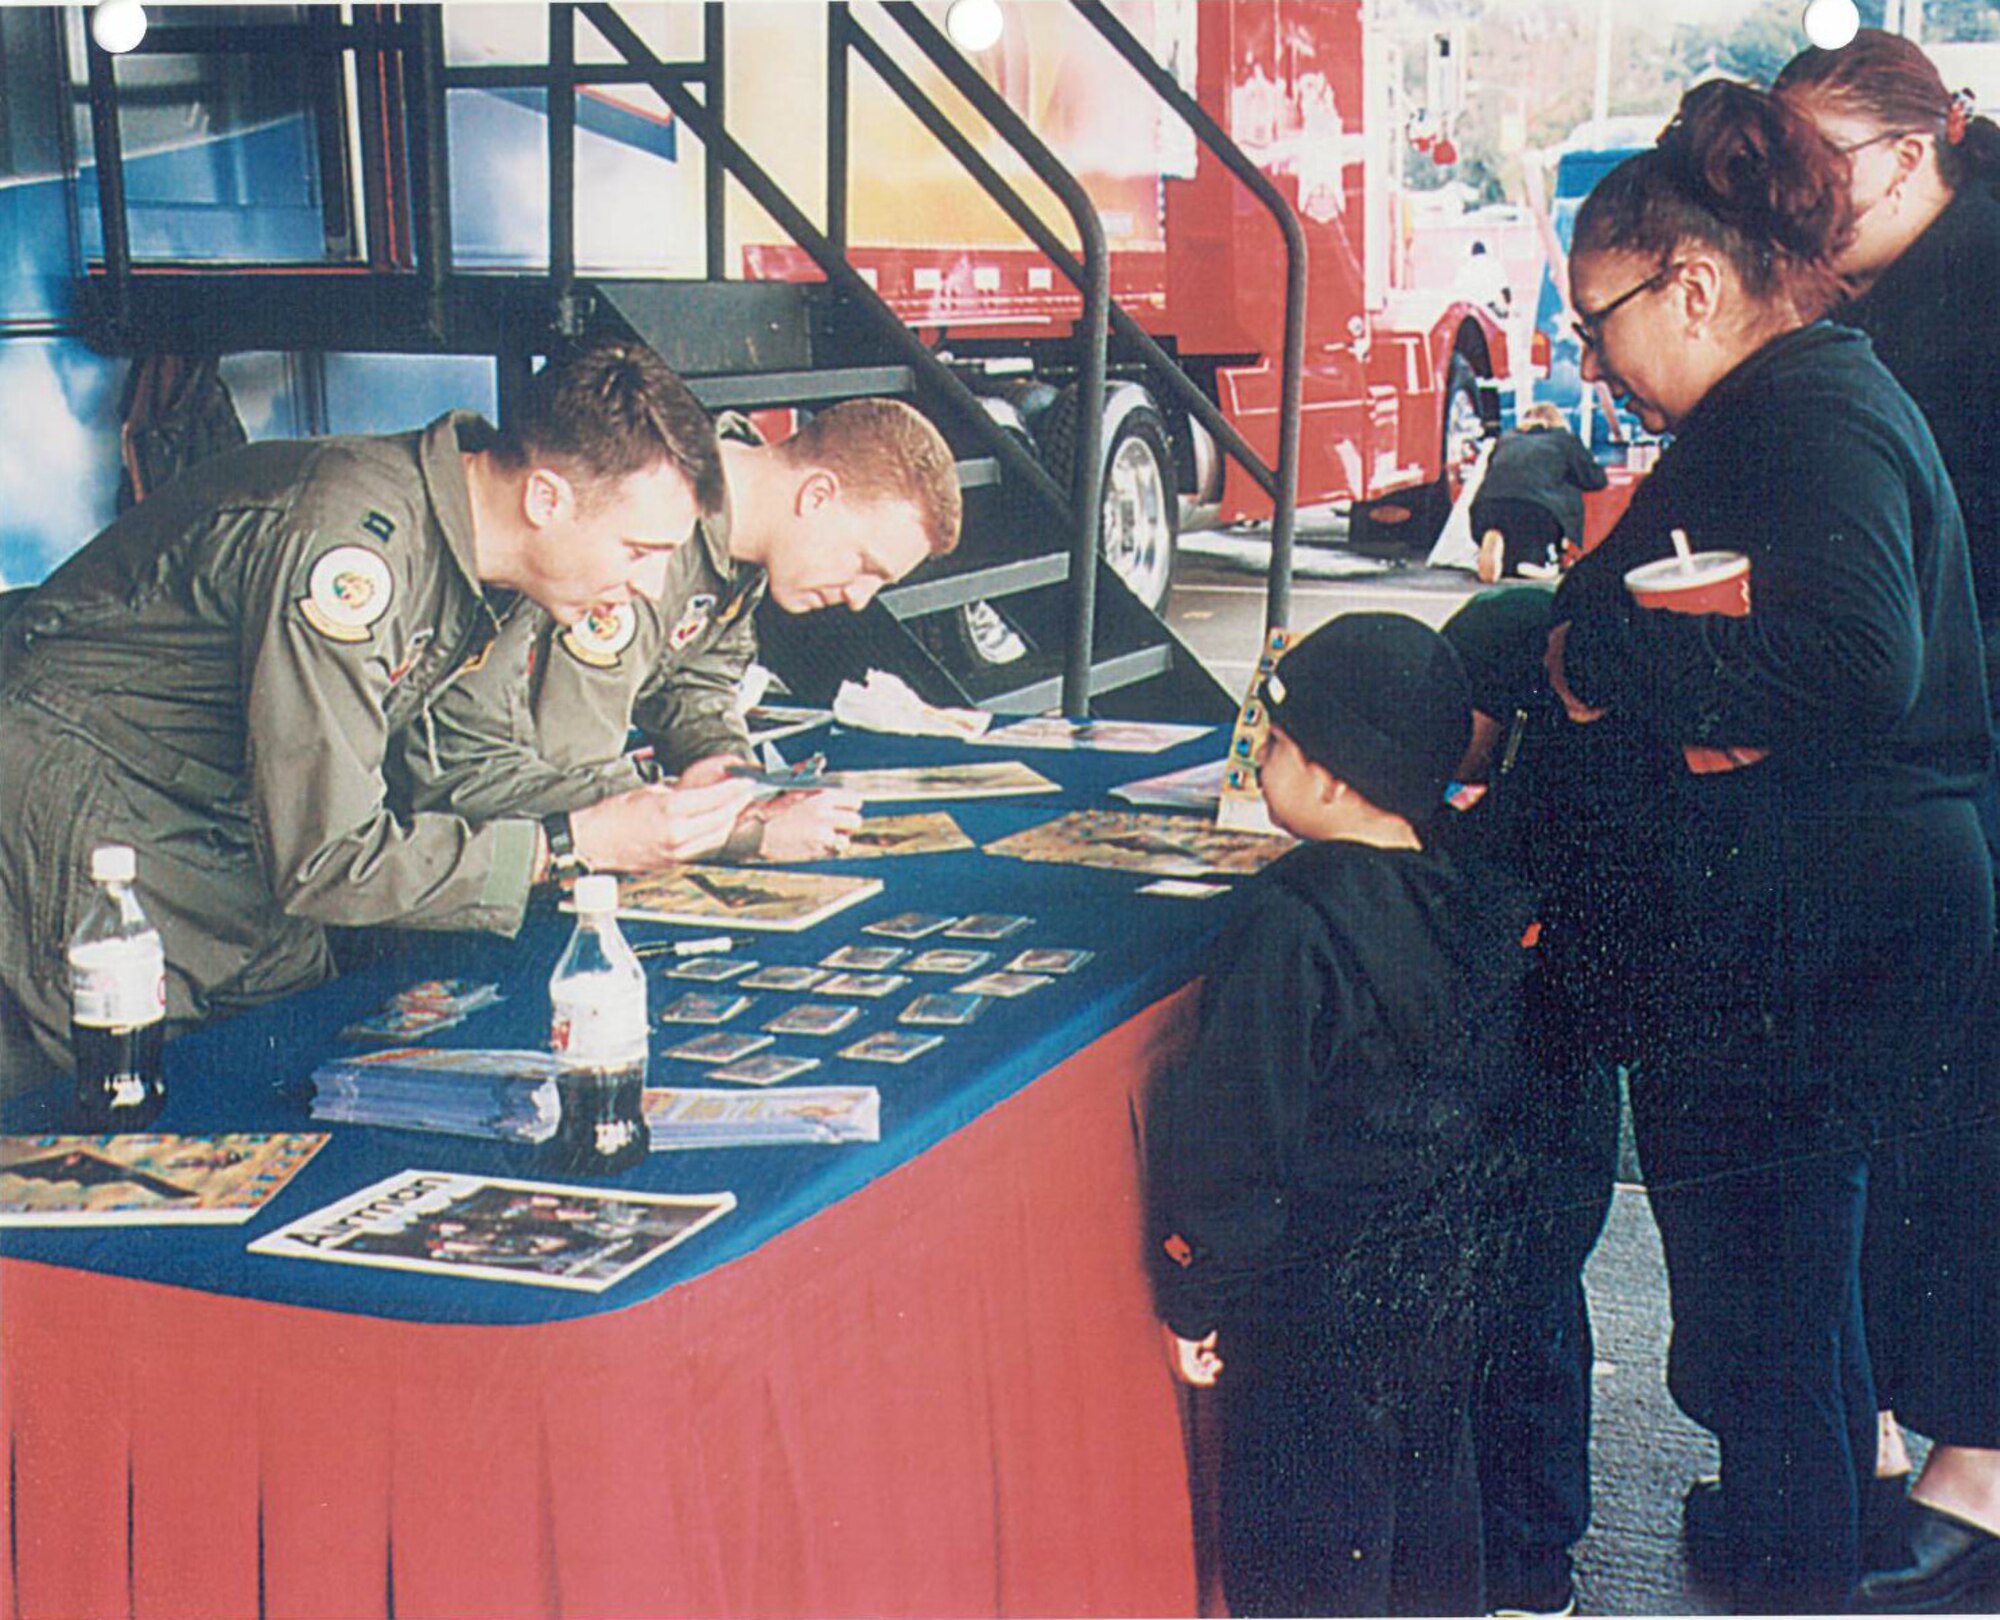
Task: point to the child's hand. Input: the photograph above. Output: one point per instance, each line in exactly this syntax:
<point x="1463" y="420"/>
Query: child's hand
<point x="1194" y="1360"/>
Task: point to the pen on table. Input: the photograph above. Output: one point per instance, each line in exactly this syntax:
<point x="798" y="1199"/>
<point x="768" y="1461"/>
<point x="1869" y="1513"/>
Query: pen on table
<point x="685" y="947"/>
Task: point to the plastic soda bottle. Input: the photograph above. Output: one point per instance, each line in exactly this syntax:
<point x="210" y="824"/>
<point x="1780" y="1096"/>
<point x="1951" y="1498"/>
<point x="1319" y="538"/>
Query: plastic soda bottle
<point x="599" y="1033"/>
<point x="118" y="1001"/>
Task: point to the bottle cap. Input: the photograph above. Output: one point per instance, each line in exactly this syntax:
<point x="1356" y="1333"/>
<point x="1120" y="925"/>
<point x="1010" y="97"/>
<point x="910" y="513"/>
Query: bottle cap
<point x="113" y="863"/>
<point x="597" y="892"/>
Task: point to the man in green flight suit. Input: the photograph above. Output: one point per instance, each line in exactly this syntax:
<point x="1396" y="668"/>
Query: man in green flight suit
<point x="854" y="500"/>
<point x="220" y="676"/>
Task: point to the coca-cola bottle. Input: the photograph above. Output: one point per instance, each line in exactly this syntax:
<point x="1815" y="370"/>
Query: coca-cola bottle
<point x="599" y="1033"/>
<point x="118" y="1001"/>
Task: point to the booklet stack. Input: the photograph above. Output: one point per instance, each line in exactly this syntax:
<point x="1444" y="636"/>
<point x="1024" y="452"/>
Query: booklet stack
<point x="682" y="1118"/>
<point x="501" y="1095"/>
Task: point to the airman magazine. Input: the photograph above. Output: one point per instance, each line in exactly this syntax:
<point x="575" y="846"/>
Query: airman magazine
<point x="534" y="1232"/>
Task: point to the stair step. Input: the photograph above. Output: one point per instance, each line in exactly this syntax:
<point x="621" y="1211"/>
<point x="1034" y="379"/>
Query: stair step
<point x="938" y="591"/>
<point x="711" y="327"/>
<point x="766" y="388"/>
<point x="1040" y="696"/>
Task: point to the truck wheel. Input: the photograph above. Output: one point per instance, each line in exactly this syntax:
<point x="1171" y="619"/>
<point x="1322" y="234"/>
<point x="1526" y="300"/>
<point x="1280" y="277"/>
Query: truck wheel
<point x="1407" y="522"/>
<point x="1139" y="512"/>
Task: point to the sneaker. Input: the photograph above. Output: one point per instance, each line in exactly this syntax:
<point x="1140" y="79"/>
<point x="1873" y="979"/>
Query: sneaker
<point x="1567" y="1608"/>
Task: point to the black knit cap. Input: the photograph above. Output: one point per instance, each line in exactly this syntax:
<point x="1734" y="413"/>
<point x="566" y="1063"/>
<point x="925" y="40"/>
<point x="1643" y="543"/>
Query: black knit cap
<point x="1500" y="637"/>
<point x="1380" y="701"/>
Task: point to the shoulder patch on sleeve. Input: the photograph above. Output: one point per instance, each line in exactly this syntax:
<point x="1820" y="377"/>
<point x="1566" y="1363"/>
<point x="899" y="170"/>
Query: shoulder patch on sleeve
<point x="600" y="639"/>
<point x="350" y="588"/>
<point x="693" y="620"/>
<point x="381" y="525"/>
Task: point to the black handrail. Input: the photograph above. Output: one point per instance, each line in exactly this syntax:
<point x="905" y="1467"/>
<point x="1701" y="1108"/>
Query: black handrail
<point x="791" y="219"/>
<point x="714" y="91"/>
<point x="1291" y="387"/>
<point x="1010" y="201"/>
<point x="562" y="170"/>
<point x="109" y="150"/>
<point x="1092" y="338"/>
<point x="431" y="170"/>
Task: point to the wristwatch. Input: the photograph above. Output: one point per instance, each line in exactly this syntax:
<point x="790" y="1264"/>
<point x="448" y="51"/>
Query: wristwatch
<point x="564" y="861"/>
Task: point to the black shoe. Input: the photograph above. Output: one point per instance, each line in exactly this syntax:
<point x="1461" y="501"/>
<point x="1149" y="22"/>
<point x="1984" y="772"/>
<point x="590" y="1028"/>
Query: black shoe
<point x="1949" y="1561"/>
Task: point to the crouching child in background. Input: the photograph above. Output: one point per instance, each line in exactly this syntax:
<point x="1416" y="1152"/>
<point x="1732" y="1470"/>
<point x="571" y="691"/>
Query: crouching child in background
<point x="1322" y="1184"/>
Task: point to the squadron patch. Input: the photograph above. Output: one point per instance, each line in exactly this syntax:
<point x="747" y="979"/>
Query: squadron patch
<point x="693" y="620"/>
<point x="350" y="588"/>
<point x="599" y="639"/>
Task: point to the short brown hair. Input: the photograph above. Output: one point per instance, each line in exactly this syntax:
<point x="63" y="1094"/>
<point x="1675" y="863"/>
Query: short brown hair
<point x="609" y="410"/>
<point x="884" y="450"/>
<point x="1743" y="173"/>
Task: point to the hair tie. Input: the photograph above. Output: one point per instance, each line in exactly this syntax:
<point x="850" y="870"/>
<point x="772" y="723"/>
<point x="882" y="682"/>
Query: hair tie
<point x="1957" y="116"/>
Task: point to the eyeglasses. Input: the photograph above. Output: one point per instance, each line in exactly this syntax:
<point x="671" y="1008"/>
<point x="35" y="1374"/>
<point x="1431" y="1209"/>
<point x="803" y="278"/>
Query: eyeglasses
<point x="1589" y="324"/>
<point x="1849" y="148"/>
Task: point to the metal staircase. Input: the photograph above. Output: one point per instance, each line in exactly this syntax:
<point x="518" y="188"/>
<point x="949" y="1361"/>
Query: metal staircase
<point x="1025" y="617"/>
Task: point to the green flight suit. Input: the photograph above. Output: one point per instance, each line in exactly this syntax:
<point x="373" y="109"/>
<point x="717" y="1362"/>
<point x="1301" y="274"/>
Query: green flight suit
<point x="218" y="679"/>
<point x="542" y="724"/>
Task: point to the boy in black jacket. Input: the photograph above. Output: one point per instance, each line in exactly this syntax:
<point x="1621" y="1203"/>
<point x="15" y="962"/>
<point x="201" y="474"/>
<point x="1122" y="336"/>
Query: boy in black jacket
<point x="1319" y="1170"/>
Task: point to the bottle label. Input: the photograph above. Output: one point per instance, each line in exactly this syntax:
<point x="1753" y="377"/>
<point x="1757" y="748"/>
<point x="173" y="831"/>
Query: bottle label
<point x="118" y="983"/>
<point x="607" y="1032"/>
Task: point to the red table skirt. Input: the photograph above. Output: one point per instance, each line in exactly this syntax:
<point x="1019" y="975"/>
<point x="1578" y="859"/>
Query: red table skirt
<point x="944" y="1395"/>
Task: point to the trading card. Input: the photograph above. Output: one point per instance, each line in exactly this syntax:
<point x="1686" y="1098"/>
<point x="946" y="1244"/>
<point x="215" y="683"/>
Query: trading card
<point x="987" y="925"/>
<point x="863" y="984"/>
<point x="942" y="1007"/>
<point x="721" y="1047"/>
<point x="766" y="1069"/>
<point x="812" y="1018"/>
<point x="1003" y="984"/>
<point x="713" y="969"/>
<point x="868" y="958"/>
<point x="890" y="1046"/>
<point x="909" y="925"/>
<point x="1049" y="961"/>
<point x="784" y="977"/>
<point x="696" y="1007"/>
<point x="948" y="961"/>
<point x="402" y="1023"/>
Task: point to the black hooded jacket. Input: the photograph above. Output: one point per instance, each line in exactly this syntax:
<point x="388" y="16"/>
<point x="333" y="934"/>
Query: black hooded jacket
<point x="1318" y="1143"/>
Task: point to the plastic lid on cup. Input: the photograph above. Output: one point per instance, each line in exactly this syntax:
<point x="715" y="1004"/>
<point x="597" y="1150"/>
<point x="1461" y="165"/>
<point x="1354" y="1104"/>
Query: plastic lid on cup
<point x="1680" y="573"/>
<point x="597" y="892"/>
<point x="113" y="863"/>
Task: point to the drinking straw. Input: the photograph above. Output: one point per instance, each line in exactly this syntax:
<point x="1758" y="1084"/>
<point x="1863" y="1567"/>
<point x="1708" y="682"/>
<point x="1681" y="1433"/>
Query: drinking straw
<point x="1681" y="547"/>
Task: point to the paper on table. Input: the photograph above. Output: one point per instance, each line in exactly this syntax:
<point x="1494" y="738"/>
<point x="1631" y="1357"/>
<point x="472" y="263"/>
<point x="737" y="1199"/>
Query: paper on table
<point x="885" y="702"/>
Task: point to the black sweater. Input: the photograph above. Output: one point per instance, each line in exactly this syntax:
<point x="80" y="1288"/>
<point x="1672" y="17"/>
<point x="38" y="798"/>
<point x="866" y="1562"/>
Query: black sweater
<point x="1859" y="666"/>
<point x="1357" y="1026"/>
<point x="1934" y="318"/>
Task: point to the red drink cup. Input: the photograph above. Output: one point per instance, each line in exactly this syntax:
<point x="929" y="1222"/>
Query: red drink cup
<point x="1701" y="582"/>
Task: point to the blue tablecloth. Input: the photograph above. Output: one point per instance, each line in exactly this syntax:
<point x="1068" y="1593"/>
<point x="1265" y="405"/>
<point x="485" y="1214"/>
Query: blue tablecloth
<point x="248" y="1074"/>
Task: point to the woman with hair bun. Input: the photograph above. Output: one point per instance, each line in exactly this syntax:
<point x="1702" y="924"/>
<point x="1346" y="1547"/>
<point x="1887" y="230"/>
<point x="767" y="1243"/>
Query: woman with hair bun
<point x="1924" y="270"/>
<point x="1779" y="804"/>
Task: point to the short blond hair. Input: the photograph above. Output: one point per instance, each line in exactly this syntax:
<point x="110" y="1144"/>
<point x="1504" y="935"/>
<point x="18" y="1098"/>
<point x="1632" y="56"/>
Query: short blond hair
<point x="1543" y="413"/>
<point x="885" y="450"/>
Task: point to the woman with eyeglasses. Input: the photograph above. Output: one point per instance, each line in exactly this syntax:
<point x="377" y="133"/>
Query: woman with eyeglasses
<point x="1816" y="900"/>
<point x="1923" y="269"/>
